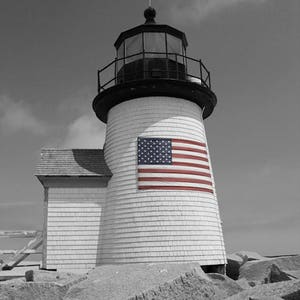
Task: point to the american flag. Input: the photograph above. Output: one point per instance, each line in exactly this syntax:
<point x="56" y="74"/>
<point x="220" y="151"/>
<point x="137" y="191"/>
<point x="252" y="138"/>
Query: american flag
<point x="173" y="164"/>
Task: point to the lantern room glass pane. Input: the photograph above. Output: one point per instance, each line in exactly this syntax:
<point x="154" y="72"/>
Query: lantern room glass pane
<point x="155" y="42"/>
<point x="174" y="46"/>
<point x="133" y="45"/>
<point x="120" y="54"/>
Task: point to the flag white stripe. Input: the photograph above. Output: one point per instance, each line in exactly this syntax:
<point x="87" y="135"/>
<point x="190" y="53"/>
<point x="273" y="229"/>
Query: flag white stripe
<point x="189" y="160"/>
<point x="197" y="147"/>
<point x="164" y="183"/>
<point x="171" y="175"/>
<point x="189" y="153"/>
<point x="176" y="168"/>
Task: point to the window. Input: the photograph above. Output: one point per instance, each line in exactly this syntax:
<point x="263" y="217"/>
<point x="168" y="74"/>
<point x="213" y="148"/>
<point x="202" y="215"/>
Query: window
<point x="120" y="54"/>
<point x="133" y="45"/>
<point x="174" y="46"/>
<point x="155" y="42"/>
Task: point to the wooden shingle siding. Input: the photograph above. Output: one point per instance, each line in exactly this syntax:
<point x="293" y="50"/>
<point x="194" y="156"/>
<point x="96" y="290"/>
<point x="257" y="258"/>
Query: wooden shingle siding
<point x="156" y="226"/>
<point x="73" y="224"/>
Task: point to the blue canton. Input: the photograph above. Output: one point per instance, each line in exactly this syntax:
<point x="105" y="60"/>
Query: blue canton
<point x="154" y="151"/>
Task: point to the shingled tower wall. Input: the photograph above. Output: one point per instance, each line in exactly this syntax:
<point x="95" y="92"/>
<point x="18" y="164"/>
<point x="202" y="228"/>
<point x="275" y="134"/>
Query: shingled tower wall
<point x="158" y="225"/>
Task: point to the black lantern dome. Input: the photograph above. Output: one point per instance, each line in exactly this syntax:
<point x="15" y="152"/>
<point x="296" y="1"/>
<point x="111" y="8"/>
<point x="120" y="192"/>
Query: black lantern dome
<point x="151" y="61"/>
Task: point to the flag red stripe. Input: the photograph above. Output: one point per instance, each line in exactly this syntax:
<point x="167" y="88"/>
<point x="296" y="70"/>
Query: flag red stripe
<point x="174" y="172"/>
<point x="189" y="149"/>
<point x="186" y="164"/>
<point x="188" y="142"/>
<point x="175" y="188"/>
<point x="172" y="179"/>
<point x="175" y="155"/>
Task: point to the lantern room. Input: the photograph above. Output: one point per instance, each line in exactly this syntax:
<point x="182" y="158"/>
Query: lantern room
<point x="151" y="60"/>
<point x="151" y="51"/>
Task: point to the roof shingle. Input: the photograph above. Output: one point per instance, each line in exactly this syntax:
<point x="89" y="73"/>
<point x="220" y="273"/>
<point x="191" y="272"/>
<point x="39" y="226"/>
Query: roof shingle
<point x="72" y="162"/>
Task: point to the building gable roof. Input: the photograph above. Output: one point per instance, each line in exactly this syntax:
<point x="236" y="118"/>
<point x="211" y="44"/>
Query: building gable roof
<point x="72" y="162"/>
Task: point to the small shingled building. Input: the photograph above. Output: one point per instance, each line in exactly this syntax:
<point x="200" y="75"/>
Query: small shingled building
<point x="74" y="182"/>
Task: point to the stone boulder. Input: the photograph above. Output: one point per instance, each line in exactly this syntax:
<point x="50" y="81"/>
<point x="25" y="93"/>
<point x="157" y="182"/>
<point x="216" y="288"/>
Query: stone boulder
<point x="39" y="284"/>
<point x="287" y="263"/>
<point x="63" y="278"/>
<point x="293" y="274"/>
<point x="188" y="286"/>
<point x="32" y="290"/>
<point x="243" y="283"/>
<point x="249" y="255"/>
<point x="275" y="275"/>
<point x="228" y="286"/>
<point x="266" y="298"/>
<point x="191" y="286"/>
<point x="288" y="290"/>
<point x="266" y="271"/>
<point x="144" y="280"/>
<point x="234" y="262"/>
<point x="256" y="273"/>
<point x="237" y="259"/>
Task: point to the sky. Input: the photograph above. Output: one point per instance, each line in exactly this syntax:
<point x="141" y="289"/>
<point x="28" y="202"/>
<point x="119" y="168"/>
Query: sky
<point x="49" y="55"/>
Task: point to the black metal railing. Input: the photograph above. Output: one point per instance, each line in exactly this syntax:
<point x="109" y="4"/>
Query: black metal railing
<point x="147" y="65"/>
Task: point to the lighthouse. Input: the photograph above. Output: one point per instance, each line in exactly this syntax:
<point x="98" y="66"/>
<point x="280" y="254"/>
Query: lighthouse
<point x="161" y="204"/>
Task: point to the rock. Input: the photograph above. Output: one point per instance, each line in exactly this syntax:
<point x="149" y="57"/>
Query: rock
<point x="249" y="255"/>
<point x="188" y="286"/>
<point x="236" y="260"/>
<point x="288" y="290"/>
<point x="276" y="275"/>
<point x="13" y="281"/>
<point x="235" y="257"/>
<point x="31" y="291"/>
<point x="233" y="266"/>
<point x="258" y="272"/>
<point x="291" y="263"/>
<point x="228" y="286"/>
<point x="266" y="298"/>
<point x="66" y="279"/>
<point x="293" y="274"/>
<point x="126" y="281"/>
<point x="243" y="283"/>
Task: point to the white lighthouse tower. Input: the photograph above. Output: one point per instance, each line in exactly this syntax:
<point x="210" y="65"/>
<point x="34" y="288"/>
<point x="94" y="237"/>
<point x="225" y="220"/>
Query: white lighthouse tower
<point x="161" y="203"/>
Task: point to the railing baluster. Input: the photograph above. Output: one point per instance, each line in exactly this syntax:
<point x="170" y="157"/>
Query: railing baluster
<point x="167" y="67"/>
<point x="99" y="84"/>
<point x="144" y="65"/>
<point x="185" y="61"/>
<point x="115" y="70"/>
<point x="200" y="65"/>
<point x="176" y="59"/>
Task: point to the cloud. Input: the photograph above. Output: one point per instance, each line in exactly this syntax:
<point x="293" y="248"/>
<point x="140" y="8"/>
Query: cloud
<point x="17" y="116"/>
<point x="78" y="103"/>
<point x="84" y="132"/>
<point x="196" y="10"/>
<point x="82" y="128"/>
